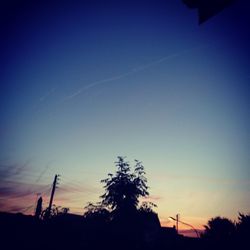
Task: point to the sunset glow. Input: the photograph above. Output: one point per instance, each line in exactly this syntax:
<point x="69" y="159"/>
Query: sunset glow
<point x="84" y="83"/>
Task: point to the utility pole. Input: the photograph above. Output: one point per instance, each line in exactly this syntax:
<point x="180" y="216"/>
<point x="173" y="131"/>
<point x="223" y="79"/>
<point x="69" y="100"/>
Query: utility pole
<point x="52" y="194"/>
<point x="177" y="219"/>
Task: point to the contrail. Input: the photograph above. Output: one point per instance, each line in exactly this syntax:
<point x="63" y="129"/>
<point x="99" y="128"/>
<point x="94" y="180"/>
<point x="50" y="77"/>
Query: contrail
<point x="44" y="97"/>
<point x="145" y="66"/>
<point x="93" y="84"/>
<point x="132" y="71"/>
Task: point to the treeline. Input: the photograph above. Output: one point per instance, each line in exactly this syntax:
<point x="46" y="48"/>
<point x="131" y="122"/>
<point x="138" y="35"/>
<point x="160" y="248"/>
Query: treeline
<point x="117" y="222"/>
<point x="67" y="231"/>
<point x="223" y="232"/>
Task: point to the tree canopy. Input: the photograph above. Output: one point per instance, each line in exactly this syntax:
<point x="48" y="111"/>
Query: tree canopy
<point x="122" y="191"/>
<point x="219" y="228"/>
<point x="119" y="209"/>
<point x="125" y="187"/>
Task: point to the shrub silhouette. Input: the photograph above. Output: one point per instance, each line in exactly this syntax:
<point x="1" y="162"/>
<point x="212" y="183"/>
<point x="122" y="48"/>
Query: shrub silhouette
<point x="219" y="229"/>
<point x="243" y="228"/>
<point x="96" y="213"/>
<point x="54" y="212"/>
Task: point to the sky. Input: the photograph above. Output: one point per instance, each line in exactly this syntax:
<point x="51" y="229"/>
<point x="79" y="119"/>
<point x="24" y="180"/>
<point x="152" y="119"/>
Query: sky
<point x="83" y="82"/>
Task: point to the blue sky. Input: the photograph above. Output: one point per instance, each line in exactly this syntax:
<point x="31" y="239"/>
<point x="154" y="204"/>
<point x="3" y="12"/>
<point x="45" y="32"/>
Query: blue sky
<point x="84" y="83"/>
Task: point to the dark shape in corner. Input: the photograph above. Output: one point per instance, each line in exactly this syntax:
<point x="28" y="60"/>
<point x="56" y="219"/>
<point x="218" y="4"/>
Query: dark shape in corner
<point x="207" y="8"/>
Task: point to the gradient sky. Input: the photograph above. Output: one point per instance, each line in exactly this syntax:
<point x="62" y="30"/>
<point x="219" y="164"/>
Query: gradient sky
<point x="84" y="83"/>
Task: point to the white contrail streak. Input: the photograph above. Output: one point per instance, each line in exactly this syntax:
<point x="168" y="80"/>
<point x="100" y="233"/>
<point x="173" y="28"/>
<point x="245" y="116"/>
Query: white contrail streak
<point x="93" y="84"/>
<point x="43" y="98"/>
<point x="131" y="72"/>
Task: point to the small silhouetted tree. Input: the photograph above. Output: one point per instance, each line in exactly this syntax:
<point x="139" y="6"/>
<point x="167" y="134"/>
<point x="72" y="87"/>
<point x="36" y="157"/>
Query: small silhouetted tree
<point x="147" y="207"/>
<point x="243" y="227"/>
<point x="96" y="213"/>
<point x="219" y="229"/>
<point x="54" y="212"/>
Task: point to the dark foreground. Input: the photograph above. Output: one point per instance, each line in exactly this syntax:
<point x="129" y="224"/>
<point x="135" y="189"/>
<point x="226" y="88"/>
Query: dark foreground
<point x="18" y="231"/>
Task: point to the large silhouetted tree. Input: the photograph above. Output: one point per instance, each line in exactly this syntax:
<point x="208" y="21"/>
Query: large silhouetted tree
<point x="125" y="221"/>
<point x="124" y="188"/>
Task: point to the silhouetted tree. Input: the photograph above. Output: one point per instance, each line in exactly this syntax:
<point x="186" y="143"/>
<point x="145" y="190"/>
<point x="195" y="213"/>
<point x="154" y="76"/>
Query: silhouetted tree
<point x="126" y="221"/>
<point x="96" y="218"/>
<point x="96" y="213"/>
<point x="219" y="229"/>
<point x="125" y="187"/>
<point x="147" y="207"/>
<point x="243" y="227"/>
<point x="54" y="212"/>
